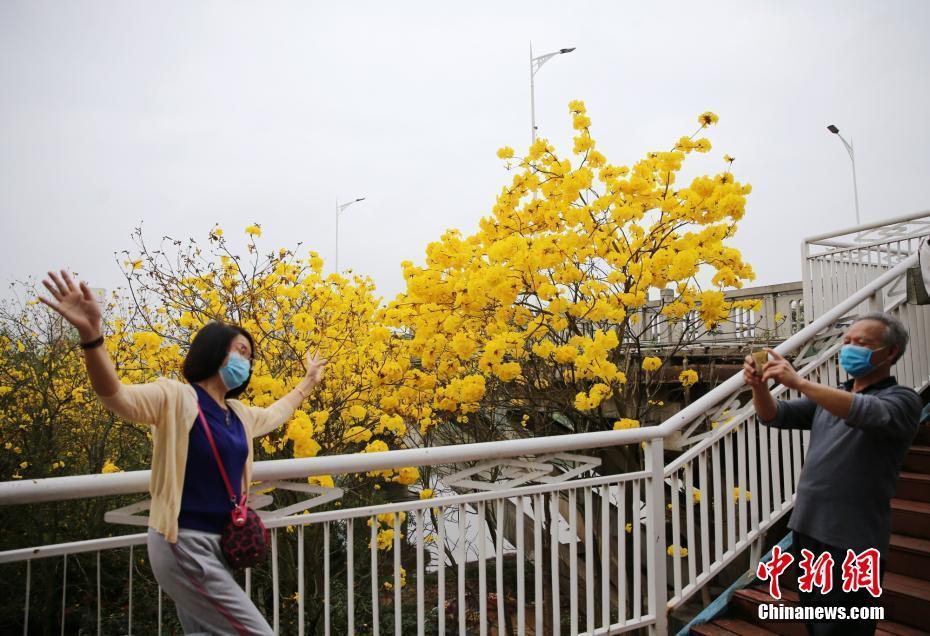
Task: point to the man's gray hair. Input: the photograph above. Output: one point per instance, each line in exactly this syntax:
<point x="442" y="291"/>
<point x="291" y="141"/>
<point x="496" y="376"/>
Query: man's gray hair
<point x="895" y="334"/>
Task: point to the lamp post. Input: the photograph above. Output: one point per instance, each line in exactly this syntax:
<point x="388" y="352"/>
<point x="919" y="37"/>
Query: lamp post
<point x="536" y="64"/>
<point x="852" y="157"/>
<point x="339" y="209"/>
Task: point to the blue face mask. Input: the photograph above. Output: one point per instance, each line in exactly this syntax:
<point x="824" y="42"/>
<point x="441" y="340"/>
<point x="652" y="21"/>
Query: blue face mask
<point x="235" y="372"/>
<point x="856" y="360"/>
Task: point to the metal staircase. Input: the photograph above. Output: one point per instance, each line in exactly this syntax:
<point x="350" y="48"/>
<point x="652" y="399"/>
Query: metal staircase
<point x="836" y="266"/>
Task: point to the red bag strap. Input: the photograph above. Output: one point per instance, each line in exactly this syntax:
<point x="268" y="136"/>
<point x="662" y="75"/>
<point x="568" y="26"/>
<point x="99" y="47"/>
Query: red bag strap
<point x="216" y="454"/>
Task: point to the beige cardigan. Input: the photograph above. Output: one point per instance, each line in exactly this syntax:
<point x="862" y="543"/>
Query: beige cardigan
<point x="170" y="407"/>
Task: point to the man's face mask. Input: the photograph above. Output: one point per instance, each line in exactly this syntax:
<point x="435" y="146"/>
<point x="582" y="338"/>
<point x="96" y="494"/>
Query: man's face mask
<point x="857" y="360"/>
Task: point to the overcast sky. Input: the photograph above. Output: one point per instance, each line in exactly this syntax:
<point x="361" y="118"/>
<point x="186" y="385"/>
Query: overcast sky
<point x="182" y="114"/>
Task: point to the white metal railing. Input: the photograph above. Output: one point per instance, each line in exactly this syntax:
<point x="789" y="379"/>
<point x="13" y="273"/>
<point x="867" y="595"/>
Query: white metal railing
<point x="598" y="554"/>
<point x="837" y="264"/>
<point x="741" y="326"/>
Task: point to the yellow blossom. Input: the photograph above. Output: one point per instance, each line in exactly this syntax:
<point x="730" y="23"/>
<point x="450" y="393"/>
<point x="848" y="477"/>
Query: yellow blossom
<point x="326" y="481"/>
<point x="702" y="145"/>
<point x="736" y="494"/>
<point x="356" y="434"/>
<point x="377" y="446"/>
<point x="688" y="377"/>
<point x="385" y="539"/>
<point x="505" y="153"/>
<point x="625" y="423"/>
<point x="580" y="122"/>
<point x="407" y="475"/>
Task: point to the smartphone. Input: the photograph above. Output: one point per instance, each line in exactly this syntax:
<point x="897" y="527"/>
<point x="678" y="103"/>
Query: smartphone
<point x="759" y="358"/>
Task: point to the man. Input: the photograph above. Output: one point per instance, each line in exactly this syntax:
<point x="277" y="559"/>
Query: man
<point x="860" y="434"/>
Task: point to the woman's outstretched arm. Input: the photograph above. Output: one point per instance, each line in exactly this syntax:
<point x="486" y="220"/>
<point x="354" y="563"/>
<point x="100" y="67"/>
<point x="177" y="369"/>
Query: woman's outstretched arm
<point x="270" y="418"/>
<point x="139" y="402"/>
<point x="77" y="305"/>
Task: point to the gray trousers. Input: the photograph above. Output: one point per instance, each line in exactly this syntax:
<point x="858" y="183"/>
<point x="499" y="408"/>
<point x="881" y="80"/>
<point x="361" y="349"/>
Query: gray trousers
<point x="193" y="573"/>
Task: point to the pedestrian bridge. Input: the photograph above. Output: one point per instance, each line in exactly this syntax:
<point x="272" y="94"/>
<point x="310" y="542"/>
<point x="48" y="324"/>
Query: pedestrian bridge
<point x="520" y="536"/>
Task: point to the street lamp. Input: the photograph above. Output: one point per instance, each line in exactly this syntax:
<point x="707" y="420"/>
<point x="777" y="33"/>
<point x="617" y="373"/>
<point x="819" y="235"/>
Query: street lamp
<point x="339" y="209"/>
<point x="852" y="157"/>
<point x="536" y="64"/>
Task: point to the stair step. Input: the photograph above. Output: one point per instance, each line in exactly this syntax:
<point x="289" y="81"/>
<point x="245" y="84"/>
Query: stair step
<point x="745" y="628"/>
<point x="744" y="604"/>
<point x="923" y="436"/>
<point x="906" y="599"/>
<point x="710" y="629"/>
<point x="887" y="628"/>
<point x="909" y="556"/>
<point x="731" y="626"/>
<point x="915" y="486"/>
<point x="917" y="459"/>
<point x="911" y="518"/>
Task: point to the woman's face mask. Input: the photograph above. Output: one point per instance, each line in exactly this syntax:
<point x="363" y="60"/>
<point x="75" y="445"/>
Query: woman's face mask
<point x="236" y="370"/>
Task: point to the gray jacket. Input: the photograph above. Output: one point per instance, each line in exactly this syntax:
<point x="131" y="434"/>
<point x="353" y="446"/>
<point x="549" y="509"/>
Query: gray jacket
<point x="852" y="465"/>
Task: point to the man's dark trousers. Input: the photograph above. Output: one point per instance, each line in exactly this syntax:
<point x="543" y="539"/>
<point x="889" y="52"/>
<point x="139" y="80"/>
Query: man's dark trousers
<point x="836" y="597"/>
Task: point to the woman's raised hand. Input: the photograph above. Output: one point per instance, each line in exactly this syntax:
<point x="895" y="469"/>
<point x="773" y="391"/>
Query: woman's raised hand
<point x="75" y="303"/>
<point x="315" y="366"/>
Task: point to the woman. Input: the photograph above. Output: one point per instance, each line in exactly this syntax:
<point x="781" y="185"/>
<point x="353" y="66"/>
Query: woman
<point x="190" y="504"/>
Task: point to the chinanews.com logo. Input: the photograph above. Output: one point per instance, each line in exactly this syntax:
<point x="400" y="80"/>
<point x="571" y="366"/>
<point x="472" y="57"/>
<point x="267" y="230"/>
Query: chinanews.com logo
<point x="772" y="612"/>
<point x="860" y="572"/>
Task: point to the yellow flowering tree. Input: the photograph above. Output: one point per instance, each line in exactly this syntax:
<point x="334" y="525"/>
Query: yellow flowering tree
<point x="567" y="309"/>
<point x="545" y="320"/>
<point x="289" y="307"/>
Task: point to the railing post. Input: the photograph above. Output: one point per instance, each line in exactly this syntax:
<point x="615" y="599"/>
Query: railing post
<point x="755" y="551"/>
<point x="807" y="296"/>
<point x="655" y="506"/>
<point x="769" y="309"/>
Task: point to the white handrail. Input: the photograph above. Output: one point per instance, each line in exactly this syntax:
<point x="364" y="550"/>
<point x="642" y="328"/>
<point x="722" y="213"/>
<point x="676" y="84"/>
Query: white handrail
<point x="867" y="226"/>
<point x="72" y="547"/>
<point x="87" y="486"/>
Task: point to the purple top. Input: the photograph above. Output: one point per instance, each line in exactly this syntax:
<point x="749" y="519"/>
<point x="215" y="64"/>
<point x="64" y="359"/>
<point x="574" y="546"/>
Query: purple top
<point x="205" y="503"/>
